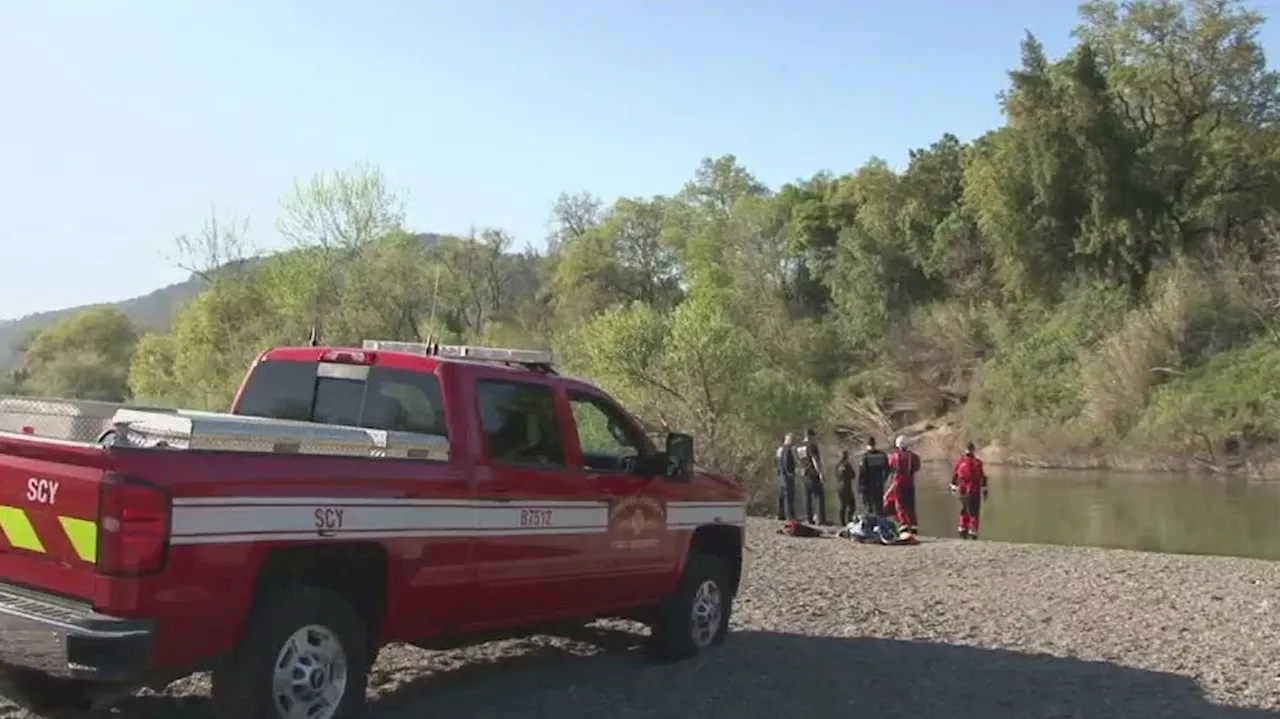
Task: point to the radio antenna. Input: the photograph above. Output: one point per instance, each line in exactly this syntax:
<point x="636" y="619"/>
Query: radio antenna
<point x="435" y="295"/>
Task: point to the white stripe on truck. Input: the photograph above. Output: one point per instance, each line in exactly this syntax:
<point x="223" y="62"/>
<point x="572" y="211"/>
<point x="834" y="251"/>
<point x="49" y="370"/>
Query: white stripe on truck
<point x="225" y="520"/>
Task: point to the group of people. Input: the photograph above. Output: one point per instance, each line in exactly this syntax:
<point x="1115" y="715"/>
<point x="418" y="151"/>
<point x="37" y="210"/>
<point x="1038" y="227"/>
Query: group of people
<point x="885" y="483"/>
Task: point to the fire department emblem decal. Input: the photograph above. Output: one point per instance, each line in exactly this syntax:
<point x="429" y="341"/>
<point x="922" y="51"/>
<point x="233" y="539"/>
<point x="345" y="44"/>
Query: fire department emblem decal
<point x="636" y="522"/>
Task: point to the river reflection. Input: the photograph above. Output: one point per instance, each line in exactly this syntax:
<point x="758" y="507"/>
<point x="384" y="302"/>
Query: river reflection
<point x="1156" y="512"/>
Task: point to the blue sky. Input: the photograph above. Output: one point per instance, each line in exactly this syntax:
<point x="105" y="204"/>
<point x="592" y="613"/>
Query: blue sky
<point x="123" y="122"/>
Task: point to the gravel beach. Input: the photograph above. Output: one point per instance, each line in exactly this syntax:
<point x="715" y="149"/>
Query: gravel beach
<point x="826" y="627"/>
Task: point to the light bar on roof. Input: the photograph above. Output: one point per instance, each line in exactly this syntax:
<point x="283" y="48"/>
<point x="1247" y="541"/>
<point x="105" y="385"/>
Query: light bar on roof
<point x="490" y="354"/>
<point x="417" y="348"/>
<point x="497" y="354"/>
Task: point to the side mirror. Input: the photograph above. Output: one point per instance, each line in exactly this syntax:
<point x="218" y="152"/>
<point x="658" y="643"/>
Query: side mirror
<point x="679" y="456"/>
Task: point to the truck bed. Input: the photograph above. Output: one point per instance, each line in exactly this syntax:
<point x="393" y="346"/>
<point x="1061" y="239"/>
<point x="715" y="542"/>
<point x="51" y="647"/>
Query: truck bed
<point x="41" y="420"/>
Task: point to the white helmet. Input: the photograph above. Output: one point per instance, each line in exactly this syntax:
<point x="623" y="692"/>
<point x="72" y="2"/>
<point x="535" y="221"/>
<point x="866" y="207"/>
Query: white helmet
<point x="901" y="442"/>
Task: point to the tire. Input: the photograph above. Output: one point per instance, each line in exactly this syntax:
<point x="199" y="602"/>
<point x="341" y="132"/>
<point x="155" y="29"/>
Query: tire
<point x="245" y="686"/>
<point x="705" y="588"/>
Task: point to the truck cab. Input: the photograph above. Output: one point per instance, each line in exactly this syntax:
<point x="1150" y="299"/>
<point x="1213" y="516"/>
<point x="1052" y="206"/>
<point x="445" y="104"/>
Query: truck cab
<point x="353" y="497"/>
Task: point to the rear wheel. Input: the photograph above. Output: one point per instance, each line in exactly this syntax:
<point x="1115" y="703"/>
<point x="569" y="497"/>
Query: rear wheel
<point x="305" y="655"/>
<point x="697" y="615"/>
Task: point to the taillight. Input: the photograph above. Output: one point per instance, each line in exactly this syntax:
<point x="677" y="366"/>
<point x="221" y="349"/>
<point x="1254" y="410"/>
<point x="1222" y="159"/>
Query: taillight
<point x="133" y="527"/>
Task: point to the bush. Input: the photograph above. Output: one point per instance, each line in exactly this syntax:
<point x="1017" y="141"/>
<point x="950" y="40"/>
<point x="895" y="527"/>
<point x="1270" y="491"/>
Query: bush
<point x="1033" y="375"/>
<point x="1118" y="373"/>
<point x="1235" y="395"/>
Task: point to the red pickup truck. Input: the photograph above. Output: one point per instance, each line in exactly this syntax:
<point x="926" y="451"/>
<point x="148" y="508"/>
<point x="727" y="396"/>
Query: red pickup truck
<point x="352" y="498"/>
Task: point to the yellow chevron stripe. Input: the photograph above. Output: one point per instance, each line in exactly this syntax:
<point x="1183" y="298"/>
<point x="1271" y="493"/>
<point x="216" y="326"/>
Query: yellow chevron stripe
<point x="83" y="535"/>
<point x="18" y="530"/>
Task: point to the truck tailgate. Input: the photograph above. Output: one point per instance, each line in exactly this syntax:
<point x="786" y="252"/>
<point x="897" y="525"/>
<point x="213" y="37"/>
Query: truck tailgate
<point x="48" y="516"/>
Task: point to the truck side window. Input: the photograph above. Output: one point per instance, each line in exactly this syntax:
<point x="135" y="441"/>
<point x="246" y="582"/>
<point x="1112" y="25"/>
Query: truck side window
<point x="280" y="390"/>
<point x="403" y="401"/>
<point x="609" y="441"/>
<point x="519" y="423"/>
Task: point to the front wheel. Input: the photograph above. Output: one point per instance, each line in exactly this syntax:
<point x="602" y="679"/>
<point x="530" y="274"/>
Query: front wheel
<point x="697" y="615"/>
<point x="305" y="655"/>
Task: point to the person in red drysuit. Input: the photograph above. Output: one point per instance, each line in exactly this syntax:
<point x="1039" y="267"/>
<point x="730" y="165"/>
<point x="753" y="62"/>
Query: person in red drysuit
<point x="900" y="499"/>
<point x="970" y="481"/>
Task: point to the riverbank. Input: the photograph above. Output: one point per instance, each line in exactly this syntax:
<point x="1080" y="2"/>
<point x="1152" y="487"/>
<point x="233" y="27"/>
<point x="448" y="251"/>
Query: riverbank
<point x="827" y="627"/>
<point x="943" y="440"/>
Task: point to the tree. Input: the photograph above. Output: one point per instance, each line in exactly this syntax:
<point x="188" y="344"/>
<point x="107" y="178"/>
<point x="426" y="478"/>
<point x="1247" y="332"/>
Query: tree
<point x="480" y="273"/>
<point x="334" y="218"/>
<point x="221" y="247"/>
<point x="1000" y="285"/>
<point x="620" y="259"/>
<point x="85" y="356"/>
<point x="343" y="210"/>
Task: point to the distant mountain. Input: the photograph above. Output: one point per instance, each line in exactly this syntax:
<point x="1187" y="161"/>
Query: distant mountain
<point x="152" y="311"/>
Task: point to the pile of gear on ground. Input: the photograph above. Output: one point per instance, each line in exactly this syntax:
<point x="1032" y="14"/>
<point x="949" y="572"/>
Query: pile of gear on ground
<point x="867" y="529"/>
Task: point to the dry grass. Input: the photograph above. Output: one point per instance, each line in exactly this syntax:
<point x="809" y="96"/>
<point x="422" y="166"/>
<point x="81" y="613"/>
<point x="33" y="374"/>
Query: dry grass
<point x="1119" y="373"/>
<point x="936" y="359"/>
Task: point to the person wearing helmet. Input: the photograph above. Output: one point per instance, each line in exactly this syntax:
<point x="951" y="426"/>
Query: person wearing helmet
<point x="815" y="494"/>
<point x="901" y="497"/>
<point x="969" y="480"/>
<point x="873" y="475"/>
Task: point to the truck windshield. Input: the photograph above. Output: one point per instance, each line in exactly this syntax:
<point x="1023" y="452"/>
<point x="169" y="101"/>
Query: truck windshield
<point x="355" y="395"/>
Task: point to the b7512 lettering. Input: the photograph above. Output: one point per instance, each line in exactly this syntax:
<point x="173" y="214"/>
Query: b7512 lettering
<point x="535" y="518"/>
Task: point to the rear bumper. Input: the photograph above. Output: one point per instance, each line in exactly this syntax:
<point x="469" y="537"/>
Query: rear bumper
<point x="61" y="638"/>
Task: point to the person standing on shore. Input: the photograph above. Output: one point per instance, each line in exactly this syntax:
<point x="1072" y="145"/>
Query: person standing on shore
<point x="845" y="474"/>
<point x="786" y="467"/>
<point x="901" y="497"/>
<point x="873" y="474"/>
<point x="815" y="494"/>
<point x="969" y="480"/>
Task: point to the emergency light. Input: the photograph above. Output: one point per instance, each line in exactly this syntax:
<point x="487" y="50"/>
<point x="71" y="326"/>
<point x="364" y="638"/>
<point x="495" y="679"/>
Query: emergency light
<point x="541" y="358"/>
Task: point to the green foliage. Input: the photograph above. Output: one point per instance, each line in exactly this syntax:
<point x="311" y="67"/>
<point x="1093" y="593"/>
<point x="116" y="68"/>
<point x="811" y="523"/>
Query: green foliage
<point x="1234" y="394"/>
<point x="1103" y="267"/>
<point x="1034" y="371"/>
<point x="85" y="355"/>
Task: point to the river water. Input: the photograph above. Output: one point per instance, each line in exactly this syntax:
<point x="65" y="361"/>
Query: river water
<point x="1153" y="512"/>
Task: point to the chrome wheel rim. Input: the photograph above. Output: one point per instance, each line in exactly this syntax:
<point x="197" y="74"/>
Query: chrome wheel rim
<point x="310" y="677"/>
<point x="708" y="609"/>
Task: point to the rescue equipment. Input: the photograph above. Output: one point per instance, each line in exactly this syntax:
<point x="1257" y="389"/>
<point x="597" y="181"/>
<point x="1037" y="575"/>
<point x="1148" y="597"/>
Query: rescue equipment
<point x="870" y="529"/>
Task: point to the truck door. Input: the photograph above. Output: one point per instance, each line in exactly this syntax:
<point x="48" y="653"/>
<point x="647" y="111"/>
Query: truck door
<point x="420" y="524"/>
<point x="639" y="545"/>
<point x="539" y="527"/>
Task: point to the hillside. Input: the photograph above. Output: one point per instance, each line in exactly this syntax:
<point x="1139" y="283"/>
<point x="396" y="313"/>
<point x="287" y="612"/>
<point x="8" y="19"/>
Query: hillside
<point x="152" y="311"/>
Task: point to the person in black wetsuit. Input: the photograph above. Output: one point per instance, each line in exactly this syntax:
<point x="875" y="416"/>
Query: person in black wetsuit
<point x="815" y="495"/>
<point x="845" y="474"/>
<point x="786" y="464"/>
<point x="873" y="474"/>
